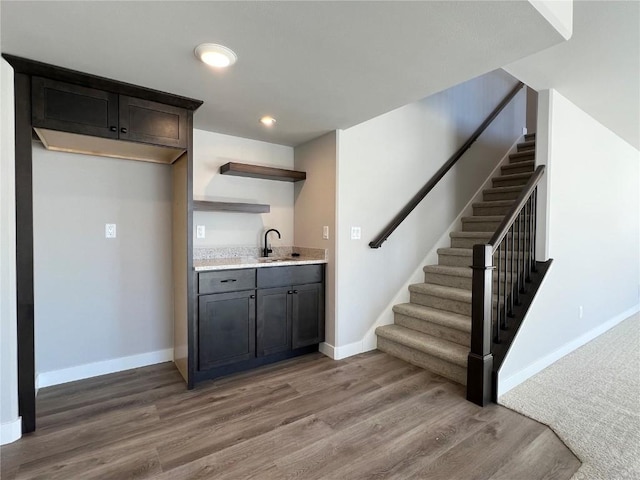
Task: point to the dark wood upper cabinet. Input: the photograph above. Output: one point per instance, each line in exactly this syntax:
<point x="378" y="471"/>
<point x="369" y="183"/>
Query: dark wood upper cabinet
<point x="152" y="122"/>
<point x="73" y="108"/>
<point x="67" y="107"/>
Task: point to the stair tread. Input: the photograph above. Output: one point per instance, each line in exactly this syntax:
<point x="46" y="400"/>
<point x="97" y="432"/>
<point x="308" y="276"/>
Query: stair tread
<point x="527" y="143"/>
<point x="514" y="166"/>
<point x="435" y="315"/>
<point x="494" y="203"/>
<point x="437" y="347"/>
<point x="485" y="218"/>
<point x="472" y="235"/>
<point x="460" y="252"/>
<point x="510" y="188"/>
<point x="441" y="291"/>
<point x="513" y="176"/>
<point x="522" y="154"/>
<point x="449" y="270"/>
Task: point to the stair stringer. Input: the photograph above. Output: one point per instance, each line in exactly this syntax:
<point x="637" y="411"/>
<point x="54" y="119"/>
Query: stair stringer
<point x="370" y="339"/>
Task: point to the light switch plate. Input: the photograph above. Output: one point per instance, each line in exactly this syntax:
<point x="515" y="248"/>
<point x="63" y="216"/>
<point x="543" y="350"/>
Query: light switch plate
<point x="200" y="231"/>
<point x="356" y="233"/>
<point x="110" y="230"/>
<point x="325" y="232"/>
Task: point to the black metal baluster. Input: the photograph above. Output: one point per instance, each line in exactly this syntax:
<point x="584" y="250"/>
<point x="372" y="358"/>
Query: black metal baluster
<point x="527" y="238"/>
<point x="521" y="259"/>
<point x="517" y="260"/>
<point x="535" y="228"/>
<point x="504" y="287"/>
<point x="498" y="289"/>
<point x="511" y="276"/>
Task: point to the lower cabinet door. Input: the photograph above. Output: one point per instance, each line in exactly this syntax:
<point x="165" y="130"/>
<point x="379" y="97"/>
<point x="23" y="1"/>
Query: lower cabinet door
<point x="226" y="328"/>
<point x="273" y="320"/>
<point x="307" y="315"/>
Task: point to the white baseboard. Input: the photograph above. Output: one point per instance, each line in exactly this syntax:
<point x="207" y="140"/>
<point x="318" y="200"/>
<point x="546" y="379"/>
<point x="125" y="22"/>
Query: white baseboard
<point x="71" y="374"/>
<point x="338" y="353"/>
<point x="504" y="385"/>
<point x="10" y="431"/>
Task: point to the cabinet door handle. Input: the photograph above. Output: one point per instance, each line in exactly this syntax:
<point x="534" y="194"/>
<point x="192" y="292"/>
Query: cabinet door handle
<point x="228" y="280"/>
<point x="290" y="292"/>
<point x="123" y="130"/>
<point x="113" y="128"/>
<point x="295" y="291"/>
<point x="252" y="296"/>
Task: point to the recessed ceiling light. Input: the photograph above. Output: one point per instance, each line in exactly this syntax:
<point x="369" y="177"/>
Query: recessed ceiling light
<point x="268" y="121"/>
<point x="216" y="55"/>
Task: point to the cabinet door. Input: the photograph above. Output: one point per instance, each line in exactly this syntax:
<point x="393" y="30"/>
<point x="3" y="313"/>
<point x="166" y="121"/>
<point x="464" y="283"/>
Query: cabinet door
<point x="152" y="122"/>
<point x="226" y="328"/>
<point x="308" y="315"/>
<point x="274" y="320"/>
<point x="72" y="108"/>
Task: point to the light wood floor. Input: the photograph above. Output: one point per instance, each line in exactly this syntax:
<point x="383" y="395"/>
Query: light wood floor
<point x="370" y="416"/>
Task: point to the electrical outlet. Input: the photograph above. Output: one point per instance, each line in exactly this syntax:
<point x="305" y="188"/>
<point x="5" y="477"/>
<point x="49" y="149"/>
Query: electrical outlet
<point x="524" y="130"/>
<point x="356" y="233"/>
<point x="580" y="311"/>
<point x="110" y="230"/>
<point x="325" y="232"/>
<point x="200" y="231"/>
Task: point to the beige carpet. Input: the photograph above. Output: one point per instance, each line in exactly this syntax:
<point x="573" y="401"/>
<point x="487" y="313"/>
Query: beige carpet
<point x="591" y="399"/>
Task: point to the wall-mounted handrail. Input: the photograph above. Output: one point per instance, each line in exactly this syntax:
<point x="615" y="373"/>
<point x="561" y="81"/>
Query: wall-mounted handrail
<point x="506" y="262"/>
<point x="418" y="197"/>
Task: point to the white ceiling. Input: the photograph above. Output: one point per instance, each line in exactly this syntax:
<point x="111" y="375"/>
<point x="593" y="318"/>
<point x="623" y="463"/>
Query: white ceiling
<point x="315" y="66"/>
<point x="598" y="69"/>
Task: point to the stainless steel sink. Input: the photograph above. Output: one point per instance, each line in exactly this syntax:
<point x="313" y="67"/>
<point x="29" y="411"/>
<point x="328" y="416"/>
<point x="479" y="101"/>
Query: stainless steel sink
<point x="274" y="260"/>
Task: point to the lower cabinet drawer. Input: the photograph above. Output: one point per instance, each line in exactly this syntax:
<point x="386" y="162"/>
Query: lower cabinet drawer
<point x="221" y="281"/>
<point x="284" y="276"/>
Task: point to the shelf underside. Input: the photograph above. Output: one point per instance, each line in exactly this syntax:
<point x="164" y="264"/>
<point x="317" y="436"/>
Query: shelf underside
<point x="207" y="206"/>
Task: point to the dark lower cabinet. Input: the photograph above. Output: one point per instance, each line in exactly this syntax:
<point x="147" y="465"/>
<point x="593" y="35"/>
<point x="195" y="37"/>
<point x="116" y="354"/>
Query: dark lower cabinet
<point x="307" y="315"/>
<point x="273" y="321"/>
<point x="268" y="320"/>
<point x="226" y="328"/>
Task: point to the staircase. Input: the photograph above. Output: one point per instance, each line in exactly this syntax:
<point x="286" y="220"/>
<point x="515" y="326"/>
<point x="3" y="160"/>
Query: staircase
<point x="433" y="331"/>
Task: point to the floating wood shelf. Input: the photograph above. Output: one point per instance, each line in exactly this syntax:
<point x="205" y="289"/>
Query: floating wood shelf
<point x="257" y="171"/>
<point x="203" y="205"/>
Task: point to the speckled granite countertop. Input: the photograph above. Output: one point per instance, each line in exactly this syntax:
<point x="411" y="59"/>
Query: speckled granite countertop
<point x="227" y="258"/>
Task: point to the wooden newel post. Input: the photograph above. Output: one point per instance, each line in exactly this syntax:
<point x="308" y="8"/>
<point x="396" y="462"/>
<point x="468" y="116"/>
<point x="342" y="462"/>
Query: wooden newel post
<point x="480" y="361"/>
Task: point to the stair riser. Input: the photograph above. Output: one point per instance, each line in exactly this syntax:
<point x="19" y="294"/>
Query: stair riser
<point x="464" y="261"/>
<point x="454" y="306"/>
<point x="517" y="169"/>
<point x="433" y="329"/>
<point x="457" y="242"/>
<point x="490" y="197"/>
<point x="522" y="157"/>
<point x="449" y="370"/>
<point x="508" y="182"/>
<point x="526" y="148"/>
<point x="480" y="226"/>
<point x="529" y="136"/>
<point x="464" y="283"/>
<point x="467" y="242"/>
<point x="484" y="211"/>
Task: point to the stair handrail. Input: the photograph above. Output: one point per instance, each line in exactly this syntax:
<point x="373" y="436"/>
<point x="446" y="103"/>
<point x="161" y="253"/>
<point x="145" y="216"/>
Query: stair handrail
<point x="481" y="381"/>
<point x="424" y="191"/>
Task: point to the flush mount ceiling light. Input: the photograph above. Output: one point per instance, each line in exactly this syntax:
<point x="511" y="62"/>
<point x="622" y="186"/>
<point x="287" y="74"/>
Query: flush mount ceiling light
<point x="268" y="121"/>
<point x="216" y="55"/>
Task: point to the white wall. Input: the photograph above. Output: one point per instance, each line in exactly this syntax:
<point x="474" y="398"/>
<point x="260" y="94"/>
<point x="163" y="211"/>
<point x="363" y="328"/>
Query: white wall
<point x="593" y="236"/>
<point x="559" y="13"/>
<point x="315" y="207"/>
<point x="100" y="304"/>
<point x="10" y="424"/>
<point x="211" y="150"/>
<point x="383" y="162"/>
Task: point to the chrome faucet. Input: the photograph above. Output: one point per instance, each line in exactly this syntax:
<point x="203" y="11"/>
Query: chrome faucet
<point x="266" y="251"/>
